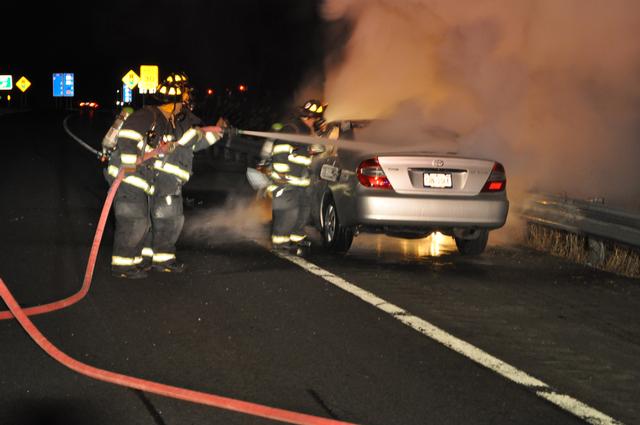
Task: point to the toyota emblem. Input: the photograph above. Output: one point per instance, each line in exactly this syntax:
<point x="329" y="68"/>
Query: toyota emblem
<point x="438" y="163"/>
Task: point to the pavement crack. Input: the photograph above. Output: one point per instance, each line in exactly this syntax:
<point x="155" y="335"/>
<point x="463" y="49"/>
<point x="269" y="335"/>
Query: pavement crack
<point x="157" y="417"/>
<point x="322" y="404"/>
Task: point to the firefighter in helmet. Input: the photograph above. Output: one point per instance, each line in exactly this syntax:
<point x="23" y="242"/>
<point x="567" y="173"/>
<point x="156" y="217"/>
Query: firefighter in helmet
<point x="155" y="146"/>
<point x="291" y="177"/>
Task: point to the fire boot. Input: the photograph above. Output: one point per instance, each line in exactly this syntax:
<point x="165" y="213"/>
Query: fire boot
<point x="302" y="248"/>
<point x="285" y="247"/>
<point x="170" y="267"/>
<point x="129" y="273"/>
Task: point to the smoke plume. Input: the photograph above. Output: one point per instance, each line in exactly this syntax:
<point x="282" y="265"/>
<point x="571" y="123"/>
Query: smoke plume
<point x="239" y="219"/>
<point x="549" y="88"/>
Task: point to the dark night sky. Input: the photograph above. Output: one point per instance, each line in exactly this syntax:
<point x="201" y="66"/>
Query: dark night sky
<point x="271" y="45"/>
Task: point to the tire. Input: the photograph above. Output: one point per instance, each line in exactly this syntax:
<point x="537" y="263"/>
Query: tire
<point x="335" y="237"/>
<point x="473" y="246"/>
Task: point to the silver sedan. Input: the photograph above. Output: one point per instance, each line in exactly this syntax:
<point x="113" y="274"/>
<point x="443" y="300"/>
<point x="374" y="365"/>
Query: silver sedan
<point x="404" y="192"/>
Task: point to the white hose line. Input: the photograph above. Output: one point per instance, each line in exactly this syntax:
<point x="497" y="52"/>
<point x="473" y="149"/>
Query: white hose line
<point x="76" y="138"/>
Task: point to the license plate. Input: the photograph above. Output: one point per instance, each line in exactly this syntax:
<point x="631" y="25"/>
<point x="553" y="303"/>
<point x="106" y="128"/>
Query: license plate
<point x="440" y="180"/>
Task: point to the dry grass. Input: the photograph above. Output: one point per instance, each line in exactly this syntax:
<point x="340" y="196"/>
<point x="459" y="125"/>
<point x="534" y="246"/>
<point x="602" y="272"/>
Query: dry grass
<point x="624" y="261"/>
<point x="563" y="244"/>
<point x="618" y="259"/>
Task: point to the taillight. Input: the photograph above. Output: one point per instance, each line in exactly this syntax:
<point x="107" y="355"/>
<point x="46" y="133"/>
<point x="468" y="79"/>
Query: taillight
<point x="497" y="180"/>
<point x="370" y="174"/>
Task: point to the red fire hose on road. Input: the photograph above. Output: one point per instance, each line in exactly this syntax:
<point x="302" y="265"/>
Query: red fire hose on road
<point x="22" y="316"/>
<point x="88" y="275"/>
<point x="155" y="387"/>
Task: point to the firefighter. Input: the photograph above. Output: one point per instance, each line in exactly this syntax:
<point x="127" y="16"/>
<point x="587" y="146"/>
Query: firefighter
<point x="291" y="177"/>
<point x="148" y="204"/>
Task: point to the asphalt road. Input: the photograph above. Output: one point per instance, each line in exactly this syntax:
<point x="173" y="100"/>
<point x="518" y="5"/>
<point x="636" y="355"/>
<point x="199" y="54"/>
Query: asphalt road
<point x="245" y="323"/>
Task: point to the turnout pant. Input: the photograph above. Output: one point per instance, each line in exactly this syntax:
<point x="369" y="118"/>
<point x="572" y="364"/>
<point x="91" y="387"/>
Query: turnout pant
<point x="147" y="228"/>
<point x="131" y="206"/>
<point x="290" y="209"/>
<point x="167" y="220"/>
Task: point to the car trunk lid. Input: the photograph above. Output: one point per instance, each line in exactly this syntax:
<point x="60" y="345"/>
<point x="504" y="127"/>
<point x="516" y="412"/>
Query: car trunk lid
<point x="436" y="175"/>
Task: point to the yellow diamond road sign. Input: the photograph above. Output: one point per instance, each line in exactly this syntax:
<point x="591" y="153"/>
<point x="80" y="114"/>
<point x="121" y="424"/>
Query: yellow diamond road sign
<point x="23" y="84"/>
<point x="148" y="78"/>
<point x="131" y="79"/>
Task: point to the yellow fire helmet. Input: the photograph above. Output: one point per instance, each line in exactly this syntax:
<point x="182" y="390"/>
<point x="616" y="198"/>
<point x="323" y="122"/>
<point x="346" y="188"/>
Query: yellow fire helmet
<point x="313" y="108"/>
<point x="171" y="89"/>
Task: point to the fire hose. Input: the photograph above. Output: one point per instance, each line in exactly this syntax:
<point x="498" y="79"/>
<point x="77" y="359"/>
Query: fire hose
<point x="22" y="316"/>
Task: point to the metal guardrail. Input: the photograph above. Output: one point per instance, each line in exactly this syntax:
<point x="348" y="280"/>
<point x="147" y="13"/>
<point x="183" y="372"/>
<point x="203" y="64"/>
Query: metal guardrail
<point x="583" y="217"/>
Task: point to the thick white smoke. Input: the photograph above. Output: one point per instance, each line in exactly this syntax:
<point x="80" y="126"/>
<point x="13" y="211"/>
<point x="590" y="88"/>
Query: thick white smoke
<point x="550" y="88"/>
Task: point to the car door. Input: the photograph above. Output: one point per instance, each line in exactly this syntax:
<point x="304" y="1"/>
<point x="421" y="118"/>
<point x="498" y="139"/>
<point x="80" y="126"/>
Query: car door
<point x="319" y="178"/>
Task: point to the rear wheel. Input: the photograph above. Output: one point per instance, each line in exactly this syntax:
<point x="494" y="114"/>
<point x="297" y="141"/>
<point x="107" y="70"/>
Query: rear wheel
<point x="473" y="246"/>
<point x="335" y="237"/>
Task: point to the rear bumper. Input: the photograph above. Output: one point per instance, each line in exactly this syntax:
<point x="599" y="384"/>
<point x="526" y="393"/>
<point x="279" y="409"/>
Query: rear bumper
<point x="488" y="212"/>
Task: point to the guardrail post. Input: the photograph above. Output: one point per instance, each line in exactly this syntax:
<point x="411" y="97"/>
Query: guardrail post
<point x="597" y="252"/>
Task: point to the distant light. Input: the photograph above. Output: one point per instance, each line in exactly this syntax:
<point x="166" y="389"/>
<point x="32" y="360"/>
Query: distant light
<point x="242" y="88"/>
<point x="209" y="92"/>
<point x="9" y="97"/>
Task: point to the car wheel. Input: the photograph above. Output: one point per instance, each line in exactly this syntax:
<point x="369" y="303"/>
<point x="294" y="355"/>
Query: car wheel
<point x="473" y="246"/>
<point x="335" y="237"/>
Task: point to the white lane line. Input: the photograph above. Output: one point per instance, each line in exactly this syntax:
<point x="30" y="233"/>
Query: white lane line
<point x="564" y="401"/>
